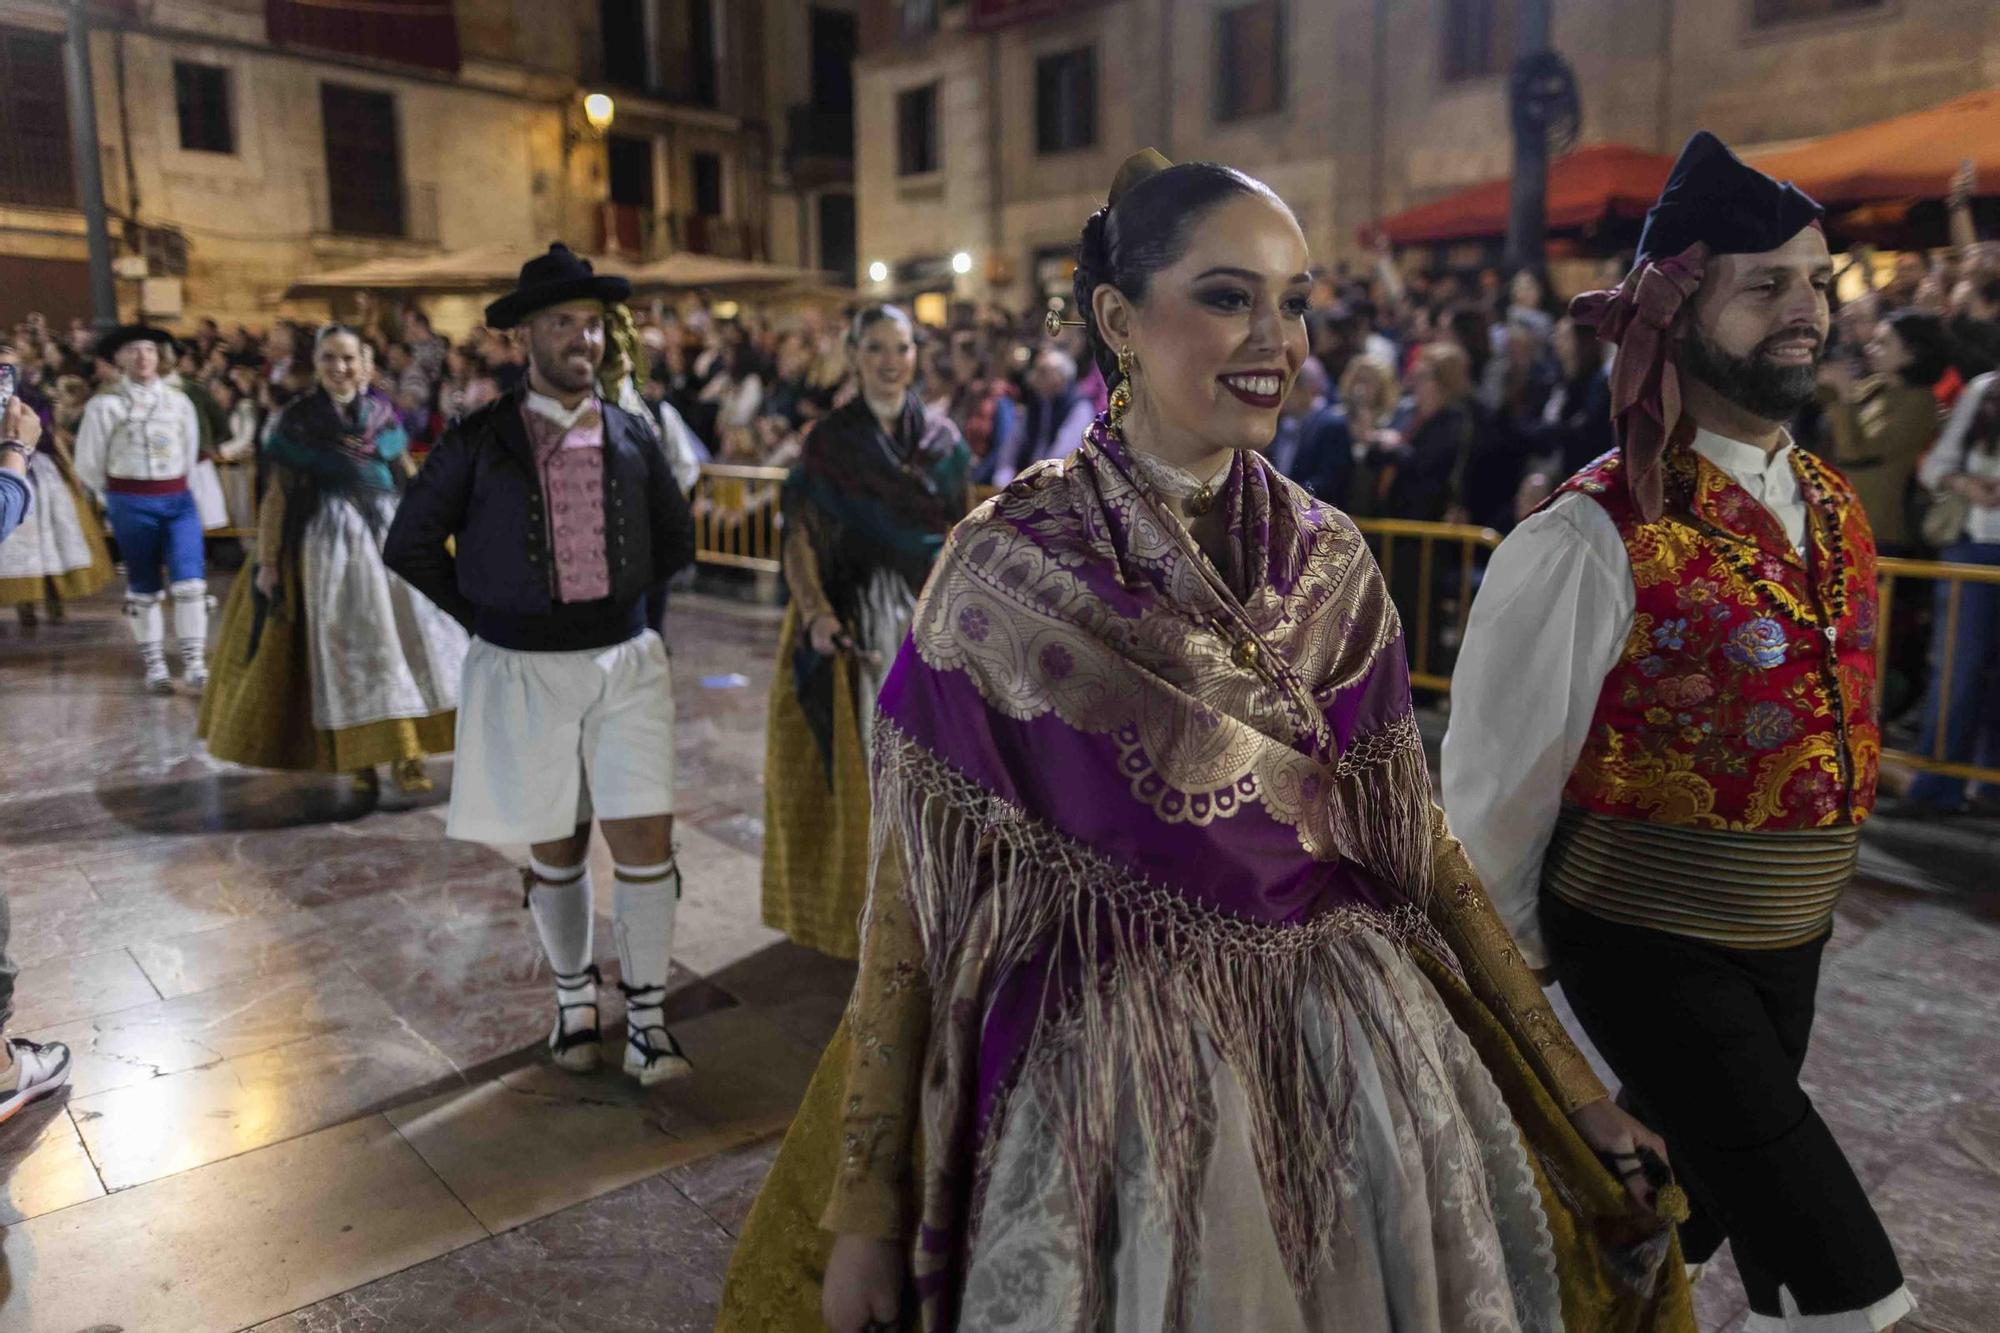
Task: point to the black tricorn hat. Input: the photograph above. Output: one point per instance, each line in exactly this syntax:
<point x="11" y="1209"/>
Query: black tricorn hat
<point x="550" y="279"/>
<point x="109" y="342"/>
<point x="1715" y="197"/>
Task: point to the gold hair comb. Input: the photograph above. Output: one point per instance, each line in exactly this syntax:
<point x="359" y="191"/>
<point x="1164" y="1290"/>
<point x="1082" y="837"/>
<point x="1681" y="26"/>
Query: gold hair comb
<point x="1054" y="324"/>
<point x="1146" y="162"/>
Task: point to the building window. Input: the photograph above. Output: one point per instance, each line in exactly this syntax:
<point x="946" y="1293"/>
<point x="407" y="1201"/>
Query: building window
<point x="631" y="162"/>
<point x="622" y="25"/>
<point x="704" y="53"/>
<point x="836" y="237"/>
<point x="201" y="96"/>
<point x="1250" y="60"/>
<point x="707" y="184"/>
<point x="34" y="122"/>
<point x="364" y="161"/>
<point x="1771" y="13"/>
<point x="917" y="131"/>
<point x="1478" y="39"/>
<point x="1066" y="101"/>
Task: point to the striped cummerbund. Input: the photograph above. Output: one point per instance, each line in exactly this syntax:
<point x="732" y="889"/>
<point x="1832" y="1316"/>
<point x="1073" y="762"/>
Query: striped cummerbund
<point x="1745" y="890"/>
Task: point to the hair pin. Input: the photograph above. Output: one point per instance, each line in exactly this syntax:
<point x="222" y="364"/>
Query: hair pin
<point x="1055" y="323"/>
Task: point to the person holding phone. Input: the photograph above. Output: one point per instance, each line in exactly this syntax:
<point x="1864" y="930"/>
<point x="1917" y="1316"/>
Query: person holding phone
<point x="17" y="447"/>
<point x="137" y="446"/>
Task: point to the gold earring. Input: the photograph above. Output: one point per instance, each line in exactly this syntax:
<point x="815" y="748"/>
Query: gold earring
<point x="1121" y="396"/>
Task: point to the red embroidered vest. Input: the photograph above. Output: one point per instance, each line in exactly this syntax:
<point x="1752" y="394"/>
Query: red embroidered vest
<point x="1732" y="705"/>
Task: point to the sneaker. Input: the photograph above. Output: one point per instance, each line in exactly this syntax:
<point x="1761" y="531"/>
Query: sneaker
<point x="574" y="1041"/>
<point x="40" y="1068"/>
<point x="651" y="1053"/>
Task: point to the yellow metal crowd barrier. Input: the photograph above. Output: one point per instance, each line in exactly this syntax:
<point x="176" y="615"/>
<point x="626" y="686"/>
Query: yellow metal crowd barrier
<point x="736" y="512"/>
<point x="1954" y="578"/>
<point x="736" y="516"/>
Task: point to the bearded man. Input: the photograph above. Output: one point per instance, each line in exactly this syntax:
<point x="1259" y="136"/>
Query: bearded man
<point x="1663" y="736"/>
<point x="543" y="522"/>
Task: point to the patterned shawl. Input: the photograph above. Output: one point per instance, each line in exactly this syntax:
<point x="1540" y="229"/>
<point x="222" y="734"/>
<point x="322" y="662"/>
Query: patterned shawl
<point x="1133" y="795"/>
<point x="869" y="499"/>
<point x="872" y="499"/>
<point x="331" y="449"/>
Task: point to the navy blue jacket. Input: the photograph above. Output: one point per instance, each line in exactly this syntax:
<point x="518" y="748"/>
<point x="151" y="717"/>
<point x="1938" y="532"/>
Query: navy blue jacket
<point x="481" y="487"/>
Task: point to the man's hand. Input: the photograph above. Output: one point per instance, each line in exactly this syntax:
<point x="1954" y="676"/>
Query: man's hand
<point x="22" y="424"/>
<point x="267" y="580"/>
<point x="1607" y="1129"/>
<point x="864" y="1284"/>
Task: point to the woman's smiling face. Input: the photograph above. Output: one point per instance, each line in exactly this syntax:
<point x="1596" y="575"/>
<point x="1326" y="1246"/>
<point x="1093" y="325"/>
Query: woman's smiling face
<point x="886" y="357"/>
<point x="1221" y="332"/>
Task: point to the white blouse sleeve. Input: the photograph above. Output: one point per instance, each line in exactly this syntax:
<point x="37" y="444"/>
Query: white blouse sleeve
<point x="93" y="444"/>
<point x="1547" y="626"/>
<point x="190" y="424"/>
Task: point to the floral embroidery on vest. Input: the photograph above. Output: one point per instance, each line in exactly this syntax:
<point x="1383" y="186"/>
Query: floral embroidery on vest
<point x="1731" y="707"/>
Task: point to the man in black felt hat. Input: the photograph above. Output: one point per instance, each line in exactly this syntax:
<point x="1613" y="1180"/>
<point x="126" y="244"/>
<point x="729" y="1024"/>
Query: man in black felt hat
<point x="136" y="447"/>
<point x="566" y="516"/>
<point x="1663" y="738"/>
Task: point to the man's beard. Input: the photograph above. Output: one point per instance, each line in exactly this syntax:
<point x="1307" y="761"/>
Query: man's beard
<point x="1753" y="382"/>
<point x="553" y="365"/>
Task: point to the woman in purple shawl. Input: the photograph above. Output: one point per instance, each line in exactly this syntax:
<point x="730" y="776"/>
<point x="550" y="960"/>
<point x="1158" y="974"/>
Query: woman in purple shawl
<point x="1179" y="1007"/>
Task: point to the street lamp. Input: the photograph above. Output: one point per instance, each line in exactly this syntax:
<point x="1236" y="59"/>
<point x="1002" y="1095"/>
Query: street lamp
<point x="598" y="111"/>
<point x="961" y="263"/>
<point x="878" y="272"/>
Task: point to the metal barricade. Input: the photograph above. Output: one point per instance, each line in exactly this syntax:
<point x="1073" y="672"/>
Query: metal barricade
<point x="1891" y="572"/>
<point x="736" y="517"/>
<point x="1388" y="538"/>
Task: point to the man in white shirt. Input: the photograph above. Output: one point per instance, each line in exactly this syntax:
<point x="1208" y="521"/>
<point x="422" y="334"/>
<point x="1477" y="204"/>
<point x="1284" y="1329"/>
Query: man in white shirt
<point x="1663" y="738"/>
<point x="136" y="447"/>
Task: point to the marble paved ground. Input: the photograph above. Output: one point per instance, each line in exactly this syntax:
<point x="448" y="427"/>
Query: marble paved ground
<point x="309" y="1096"/>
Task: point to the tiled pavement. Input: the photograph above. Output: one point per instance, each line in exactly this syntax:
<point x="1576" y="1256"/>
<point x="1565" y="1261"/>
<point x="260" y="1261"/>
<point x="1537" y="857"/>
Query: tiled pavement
<point x="309" y="1098"/>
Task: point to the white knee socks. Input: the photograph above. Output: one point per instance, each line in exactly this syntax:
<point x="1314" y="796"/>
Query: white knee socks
<point x="643" y="909"/>
<point x="191" y="627"/>
<point x="559" y="900"/>
<point x="648" y="897"/>
<point x="142" y="613"/>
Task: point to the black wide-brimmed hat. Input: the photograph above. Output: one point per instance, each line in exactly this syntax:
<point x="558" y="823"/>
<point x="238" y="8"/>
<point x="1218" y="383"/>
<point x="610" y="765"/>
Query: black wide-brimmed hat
<point x="109" y="343"/>
<point x="550" y="279"/>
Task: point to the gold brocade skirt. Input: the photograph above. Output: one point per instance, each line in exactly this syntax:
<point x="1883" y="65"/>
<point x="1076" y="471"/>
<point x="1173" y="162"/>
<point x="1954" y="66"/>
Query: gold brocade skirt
<point x="258" y="711"/>
<point x="774" y="1279"/>
<point x="815" y="834"/>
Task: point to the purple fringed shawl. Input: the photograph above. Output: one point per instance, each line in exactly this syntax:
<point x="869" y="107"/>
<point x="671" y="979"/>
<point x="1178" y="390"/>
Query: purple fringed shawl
<point x="1136" y="795"/>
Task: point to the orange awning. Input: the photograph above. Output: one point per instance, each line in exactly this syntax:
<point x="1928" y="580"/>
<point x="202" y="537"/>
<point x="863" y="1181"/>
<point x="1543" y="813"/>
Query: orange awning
<point x="1604" y="182"/>
<point x="1905" y="157"/>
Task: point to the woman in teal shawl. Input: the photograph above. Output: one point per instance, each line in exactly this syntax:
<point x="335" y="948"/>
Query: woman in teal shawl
<point x="328" y="661"/>
<point x="866" y="511"/>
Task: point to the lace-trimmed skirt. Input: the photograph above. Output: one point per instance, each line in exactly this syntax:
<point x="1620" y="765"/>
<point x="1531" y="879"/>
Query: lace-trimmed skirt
<point x="1442" y="1224"/>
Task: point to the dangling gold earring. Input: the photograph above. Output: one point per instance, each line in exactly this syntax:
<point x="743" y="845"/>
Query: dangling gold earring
<point x="1121" y="397"/>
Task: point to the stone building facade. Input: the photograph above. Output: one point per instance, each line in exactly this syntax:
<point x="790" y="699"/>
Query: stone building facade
<point x="1351" y="109"/>
<point x="247" y="143"/>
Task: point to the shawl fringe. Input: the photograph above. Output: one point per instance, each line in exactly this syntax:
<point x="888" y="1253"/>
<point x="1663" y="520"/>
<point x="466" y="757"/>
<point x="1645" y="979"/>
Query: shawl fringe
<point x="993" y="890"/>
